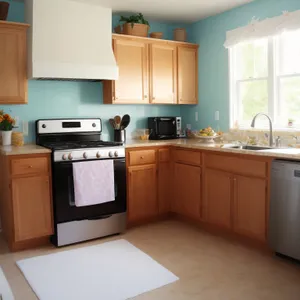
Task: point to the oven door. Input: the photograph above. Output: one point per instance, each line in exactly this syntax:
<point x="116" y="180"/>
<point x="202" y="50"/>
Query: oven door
<point x="166" y="127"/>
<point x="64" y="200"/>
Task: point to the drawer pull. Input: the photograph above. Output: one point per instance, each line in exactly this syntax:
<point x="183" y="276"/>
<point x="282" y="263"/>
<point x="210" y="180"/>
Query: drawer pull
<point x="142" y="157"/>
<point x="30" y="167"/>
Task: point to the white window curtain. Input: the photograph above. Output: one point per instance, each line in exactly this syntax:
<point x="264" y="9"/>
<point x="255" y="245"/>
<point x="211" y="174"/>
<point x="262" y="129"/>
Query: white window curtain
<point x="262" y="29"/>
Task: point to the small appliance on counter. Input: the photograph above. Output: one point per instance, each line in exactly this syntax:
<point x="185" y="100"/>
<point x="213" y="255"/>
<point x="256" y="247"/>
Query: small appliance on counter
<point x="164" y="128"/>
<point x="82" y="209"/>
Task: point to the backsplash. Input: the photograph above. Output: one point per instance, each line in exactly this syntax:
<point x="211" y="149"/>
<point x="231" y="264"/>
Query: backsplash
<point x="57" y="99"/>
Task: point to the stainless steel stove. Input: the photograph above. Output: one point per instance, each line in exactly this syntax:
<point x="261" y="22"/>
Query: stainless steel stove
<point x="79" y="140"/>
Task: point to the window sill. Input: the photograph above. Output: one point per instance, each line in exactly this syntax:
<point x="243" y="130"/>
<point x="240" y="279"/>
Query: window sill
<point x="276" y="131"/>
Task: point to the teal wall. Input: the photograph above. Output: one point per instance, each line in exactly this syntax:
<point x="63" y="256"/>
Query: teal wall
<point x="213" y="58"/>
<point x="56" y="99"/>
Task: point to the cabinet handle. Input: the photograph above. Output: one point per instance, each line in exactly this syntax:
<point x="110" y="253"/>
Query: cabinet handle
<point x="30" y="167"/>
<point x="153" y="98"/>
<point x="145" y="96"/>
<point x="234" y="179"/>
<point x="142" y="157"/>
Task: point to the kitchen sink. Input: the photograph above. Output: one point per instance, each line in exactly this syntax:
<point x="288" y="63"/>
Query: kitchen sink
<point x="249" y="147"/>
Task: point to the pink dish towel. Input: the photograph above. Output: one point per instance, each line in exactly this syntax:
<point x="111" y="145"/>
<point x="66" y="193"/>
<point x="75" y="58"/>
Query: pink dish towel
<point x="93" y="182"/>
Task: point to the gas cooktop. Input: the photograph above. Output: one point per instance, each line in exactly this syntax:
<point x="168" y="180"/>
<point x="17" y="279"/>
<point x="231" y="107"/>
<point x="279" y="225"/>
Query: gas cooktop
<point x="79" y="145"/>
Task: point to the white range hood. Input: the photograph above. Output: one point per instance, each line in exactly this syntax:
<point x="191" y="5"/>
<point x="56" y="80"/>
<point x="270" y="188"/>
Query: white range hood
<point x="70" y="39"/>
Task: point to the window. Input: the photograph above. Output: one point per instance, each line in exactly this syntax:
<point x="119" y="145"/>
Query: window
<point x="265" y="77"/>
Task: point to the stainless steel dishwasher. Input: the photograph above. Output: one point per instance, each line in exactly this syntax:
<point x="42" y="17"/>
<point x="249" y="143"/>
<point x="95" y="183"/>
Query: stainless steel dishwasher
<point x="284" y="220"/>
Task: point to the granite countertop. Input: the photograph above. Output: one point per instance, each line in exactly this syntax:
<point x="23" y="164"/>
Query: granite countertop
<point x="284" y="153"/>
<point x="23" y="150"/>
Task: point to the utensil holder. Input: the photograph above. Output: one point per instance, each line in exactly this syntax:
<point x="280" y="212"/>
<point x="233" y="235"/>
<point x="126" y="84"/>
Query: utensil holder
<point x="120" y="135"/>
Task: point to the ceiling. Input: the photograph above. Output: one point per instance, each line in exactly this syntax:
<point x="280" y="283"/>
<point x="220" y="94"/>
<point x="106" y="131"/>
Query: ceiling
<point x="186" y="11"/>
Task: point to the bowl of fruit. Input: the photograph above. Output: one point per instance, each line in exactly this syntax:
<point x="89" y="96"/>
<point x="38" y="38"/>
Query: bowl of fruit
<point x="207" y="135"/>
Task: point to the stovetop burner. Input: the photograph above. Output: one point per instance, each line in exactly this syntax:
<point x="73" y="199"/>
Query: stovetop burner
<point x="79" y="145"/>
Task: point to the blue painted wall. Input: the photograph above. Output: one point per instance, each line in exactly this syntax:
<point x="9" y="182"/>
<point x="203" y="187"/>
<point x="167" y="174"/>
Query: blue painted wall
<point x="213" y="58"/>
<point x="56" y="99"/>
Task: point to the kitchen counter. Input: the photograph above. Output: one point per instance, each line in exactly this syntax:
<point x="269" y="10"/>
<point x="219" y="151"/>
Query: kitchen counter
<point x="23" y="150"/>
<point x="284" y="153"/>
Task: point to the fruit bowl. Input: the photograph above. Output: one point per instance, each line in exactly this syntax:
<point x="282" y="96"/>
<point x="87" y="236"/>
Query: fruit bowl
<point x="206" y="139"/>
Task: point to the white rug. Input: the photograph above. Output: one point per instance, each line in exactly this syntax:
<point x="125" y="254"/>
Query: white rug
<point x="111" y="271"/>
<point x="5" y="290"/>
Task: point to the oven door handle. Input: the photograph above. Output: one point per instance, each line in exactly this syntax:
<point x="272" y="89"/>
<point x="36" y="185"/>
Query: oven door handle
<point x="99" y="217"/>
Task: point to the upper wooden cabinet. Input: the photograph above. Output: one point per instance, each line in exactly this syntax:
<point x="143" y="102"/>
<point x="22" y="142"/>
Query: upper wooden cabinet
<point x="13" y="78"/>
<point x="163" y="74"/>
<point x="153" y="71"/>
<point x="132" y="86"/>
<point x="187" y="75"/>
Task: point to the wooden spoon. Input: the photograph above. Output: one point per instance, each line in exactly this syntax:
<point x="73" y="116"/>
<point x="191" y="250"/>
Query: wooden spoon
<point x="112" y="123"/>
<point x="125" y="121"/>
<point x="118" y="122"/>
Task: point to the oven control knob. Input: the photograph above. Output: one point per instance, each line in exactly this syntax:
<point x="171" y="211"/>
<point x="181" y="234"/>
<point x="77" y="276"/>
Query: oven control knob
<point x="98" y="155"/>
<point x="70" y="156"/>
<point x="116" y="154"/>
<point x="85" y="155"/>
<point x="65" y="157"/>
<point x="110" y="154"/>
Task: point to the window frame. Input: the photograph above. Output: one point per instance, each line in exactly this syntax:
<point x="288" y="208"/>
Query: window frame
<point x="274" y="88"/>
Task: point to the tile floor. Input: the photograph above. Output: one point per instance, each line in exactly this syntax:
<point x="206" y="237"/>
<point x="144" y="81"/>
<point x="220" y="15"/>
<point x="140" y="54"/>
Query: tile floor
<point x="209" y="267"/>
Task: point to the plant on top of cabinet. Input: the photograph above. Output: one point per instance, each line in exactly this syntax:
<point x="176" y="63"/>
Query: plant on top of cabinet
<point x="13" y="78"/>
<point x="135" y="25"/>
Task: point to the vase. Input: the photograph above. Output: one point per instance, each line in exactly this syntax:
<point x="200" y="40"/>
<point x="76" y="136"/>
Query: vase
<point x="6" y="138"/>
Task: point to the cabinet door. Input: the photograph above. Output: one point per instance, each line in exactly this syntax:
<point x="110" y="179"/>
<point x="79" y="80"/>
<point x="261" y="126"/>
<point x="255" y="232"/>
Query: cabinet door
<point x="142" y="194"/>
<point x="188" y="75"/>
<point x="187" y="190"/>
<point x="164" y="181"/>
<point x="13" y="82"/>
<point x="32" y="208"/>
<point x="132" y="60"/>
<point x="163" y="77"/>
<point x="218" y="198"/>
<point x="250" y="207"/>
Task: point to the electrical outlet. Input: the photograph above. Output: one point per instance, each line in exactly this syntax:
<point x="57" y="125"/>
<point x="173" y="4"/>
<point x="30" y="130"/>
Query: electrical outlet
<point x="17" y="119"/>
<point x="196" y="116"/>
<point x="25" y="128"/>
<point x="217" y="115"/>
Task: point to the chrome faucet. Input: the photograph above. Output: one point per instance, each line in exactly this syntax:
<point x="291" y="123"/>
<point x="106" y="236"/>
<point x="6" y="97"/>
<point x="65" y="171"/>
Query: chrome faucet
<point x="270" y="127"/>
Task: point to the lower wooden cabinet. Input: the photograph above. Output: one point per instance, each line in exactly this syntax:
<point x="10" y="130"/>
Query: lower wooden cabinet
<point x="142" y="193"/>
<point x="164" y="182"/>
<point x="187" y="190"/>
<point x="26" y="200"/>
<point x="32" y="207"/>
<point x="250" y="207"/>
<point x="218" y="198"/>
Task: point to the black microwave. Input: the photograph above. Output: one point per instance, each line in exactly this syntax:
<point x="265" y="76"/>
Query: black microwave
<point x="163" y="128"/>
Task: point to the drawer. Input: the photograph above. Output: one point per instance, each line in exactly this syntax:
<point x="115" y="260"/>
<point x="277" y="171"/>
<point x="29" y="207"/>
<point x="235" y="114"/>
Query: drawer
<point x="189" y="157"/>
<point x="236" y="165"/>
<point x="164" y="155"/>
<point x="26" y="166"/>
<point x="141" y="157"/>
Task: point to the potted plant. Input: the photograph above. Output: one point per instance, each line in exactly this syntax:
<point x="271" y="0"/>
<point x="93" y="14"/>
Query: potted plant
<point x="135" y="25"/>
<point x="291" y="122"/>
<point x="6" y="125"/>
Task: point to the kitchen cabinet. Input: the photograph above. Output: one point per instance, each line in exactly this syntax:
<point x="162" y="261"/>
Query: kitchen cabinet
<point x="153" y="71"/>
<point x="132" y="85"/>
<point x="218" y="198"/>
<point x="164" y="181"/>
<point x="13" y="62"/>
<point x="250" y="207"/>
<point x="26" y="200"/>
<point x="187" y="190"/>
<point x="188" y="75"/>
<point x="32" y="207"/>
<point x="142" y="193"/>
<point x="236" y="194"/>
<point x="163" y="74"/>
